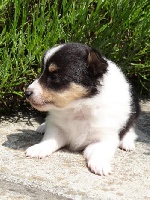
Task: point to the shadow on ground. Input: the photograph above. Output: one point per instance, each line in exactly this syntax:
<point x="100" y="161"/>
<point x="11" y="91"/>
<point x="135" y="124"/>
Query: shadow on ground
<point x="22" y="139"/>
<point x="143" y="122"/>
<point x="25" y="138"/>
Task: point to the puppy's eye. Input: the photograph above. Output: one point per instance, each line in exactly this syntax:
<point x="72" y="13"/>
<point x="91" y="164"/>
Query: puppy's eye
<point x="53" y="77"/>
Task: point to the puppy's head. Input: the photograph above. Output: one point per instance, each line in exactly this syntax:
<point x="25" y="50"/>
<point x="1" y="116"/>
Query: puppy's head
<point x="69" y="72"/>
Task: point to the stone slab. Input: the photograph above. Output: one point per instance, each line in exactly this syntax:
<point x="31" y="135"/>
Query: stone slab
<point x="64" y="174"/>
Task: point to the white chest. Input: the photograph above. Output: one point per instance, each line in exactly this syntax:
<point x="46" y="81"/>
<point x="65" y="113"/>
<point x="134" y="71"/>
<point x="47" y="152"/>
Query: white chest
<point x="75" y="127"/>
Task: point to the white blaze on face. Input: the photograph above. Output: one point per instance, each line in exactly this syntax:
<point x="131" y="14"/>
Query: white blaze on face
<point x="49" y="54"/>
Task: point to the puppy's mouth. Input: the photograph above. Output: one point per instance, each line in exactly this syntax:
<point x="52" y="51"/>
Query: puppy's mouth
<point x="41" y="104"/>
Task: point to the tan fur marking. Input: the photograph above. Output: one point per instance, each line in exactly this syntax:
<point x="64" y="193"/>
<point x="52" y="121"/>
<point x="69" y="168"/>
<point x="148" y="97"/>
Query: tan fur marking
<point x="52" y="67"/>
<point x="62" y="99"/>
<point x="91" y="57"/>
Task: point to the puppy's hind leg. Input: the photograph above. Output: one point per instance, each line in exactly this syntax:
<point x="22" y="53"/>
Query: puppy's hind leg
<point x="127" y="143"/>
<point x="99" y="155"/>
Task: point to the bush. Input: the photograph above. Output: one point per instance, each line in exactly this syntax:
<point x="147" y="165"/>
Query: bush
<point x="119" y="29"/>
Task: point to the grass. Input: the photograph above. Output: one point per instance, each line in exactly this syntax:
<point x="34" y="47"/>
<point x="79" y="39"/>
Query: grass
<point x="119" y="29"/>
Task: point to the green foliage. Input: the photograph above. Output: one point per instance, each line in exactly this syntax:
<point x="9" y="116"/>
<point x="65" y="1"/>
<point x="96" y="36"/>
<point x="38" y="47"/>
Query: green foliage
<point x="119" y="29"/>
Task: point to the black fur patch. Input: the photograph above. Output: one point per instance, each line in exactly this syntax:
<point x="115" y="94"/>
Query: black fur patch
<point x="76" y="63"/>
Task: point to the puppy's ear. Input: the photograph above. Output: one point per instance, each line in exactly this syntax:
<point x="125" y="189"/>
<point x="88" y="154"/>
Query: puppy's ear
<point x="97" y="64"/>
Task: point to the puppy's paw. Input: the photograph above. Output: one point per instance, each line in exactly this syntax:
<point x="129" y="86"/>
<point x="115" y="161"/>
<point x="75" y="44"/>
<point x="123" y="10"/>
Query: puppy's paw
<point x="40" y="150"/>
<point x="41" y="129"/>
<point x="127" y="142"/>
<point x="127" y="145"/>
<point x="99" y="167"/>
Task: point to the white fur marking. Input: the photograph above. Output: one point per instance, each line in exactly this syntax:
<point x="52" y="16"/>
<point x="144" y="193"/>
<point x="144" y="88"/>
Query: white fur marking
<point x="51" y="52"/>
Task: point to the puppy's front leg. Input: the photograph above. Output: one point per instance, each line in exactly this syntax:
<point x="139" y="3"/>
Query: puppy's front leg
<point x="52" y="141"/>
<point x="99" y="155"/>
<point x="41" y="129"/>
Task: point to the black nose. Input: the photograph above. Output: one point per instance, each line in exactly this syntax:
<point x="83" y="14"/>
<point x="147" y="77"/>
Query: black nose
<point x="28" y="93"/>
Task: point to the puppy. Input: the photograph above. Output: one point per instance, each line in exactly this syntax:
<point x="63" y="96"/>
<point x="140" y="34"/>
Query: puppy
<point x="90" y="103"/>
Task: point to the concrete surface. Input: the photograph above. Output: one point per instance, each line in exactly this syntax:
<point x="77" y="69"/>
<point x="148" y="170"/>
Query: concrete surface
<point x="64" y="175"/>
